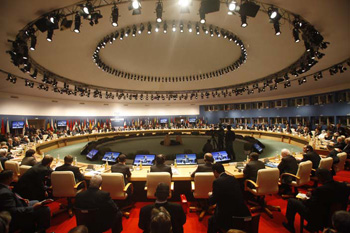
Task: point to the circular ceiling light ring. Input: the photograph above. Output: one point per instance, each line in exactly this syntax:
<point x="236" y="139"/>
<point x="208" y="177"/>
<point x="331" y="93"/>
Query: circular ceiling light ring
<point x="124" y="33"/>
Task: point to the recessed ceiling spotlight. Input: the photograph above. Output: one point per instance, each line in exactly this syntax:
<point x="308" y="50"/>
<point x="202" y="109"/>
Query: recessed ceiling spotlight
<point x="135" y="4"/>
<point x="272" y="12"/>
<point x="77" y="23"/>
<point x="115" y="15"/>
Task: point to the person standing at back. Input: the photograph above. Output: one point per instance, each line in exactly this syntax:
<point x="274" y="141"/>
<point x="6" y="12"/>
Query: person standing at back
<point x="160" y="166"/>
<point x="229" y="139"/>
<point x="228" y="198"/>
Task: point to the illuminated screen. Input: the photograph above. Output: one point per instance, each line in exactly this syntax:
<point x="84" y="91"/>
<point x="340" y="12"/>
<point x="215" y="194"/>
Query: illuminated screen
<point x="186" y="159"/>
<point x="111" y="157"/>
<point x="145" y="159"/>
<point x="92" y="153"/>
<point x="17" y="124"/>
<point x="220" y="156"/>
<point x="61" y="123"/>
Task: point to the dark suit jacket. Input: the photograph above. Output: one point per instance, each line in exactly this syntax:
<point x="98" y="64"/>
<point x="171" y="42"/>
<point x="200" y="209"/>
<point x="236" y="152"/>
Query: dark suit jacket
<point x="251" y="169"/>
<point x="30" y="161"/>
<point x="94" y="198"/>
<point x="178" y="217"/>
<point x="333" y="154"/>
<point x="161" y="168"/>
<point x="32" y="184"/>
<point x="124" y="169"/>
<point x="288" y="164"/>
<point x="313" y="157"/>
<point x="207" y="167"/>
<point x="228" y="198"/>
<point x="347" y="150"/>
<point x="68" y="167"/>
<point x="323" y="197"/>
<point x="22" y="214"/>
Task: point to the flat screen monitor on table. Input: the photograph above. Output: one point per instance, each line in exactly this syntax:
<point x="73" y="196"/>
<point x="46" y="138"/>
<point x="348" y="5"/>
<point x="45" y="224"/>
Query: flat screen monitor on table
<point x="186" y="159"/>
<point x="111" y="157"/>
<point x="92" y="154"/>
<point x="258" y="147"/>
<point x="17" y="124"/>
<point x="146" y="160"/>
<point x="220" y="156"/>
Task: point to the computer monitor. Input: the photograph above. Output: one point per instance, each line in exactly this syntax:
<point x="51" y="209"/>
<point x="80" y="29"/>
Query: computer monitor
<point x="61" y="123"/>
<point x="17" y="124"/>
<point x="111" y="157"/>
<point x="146" y="160"/>
<point x="258" y="147"/>
<point x="186" y="159"/>
<point x="92" y="154"/>
<point x="220" y="156"/>
<point x="163" y="120"/>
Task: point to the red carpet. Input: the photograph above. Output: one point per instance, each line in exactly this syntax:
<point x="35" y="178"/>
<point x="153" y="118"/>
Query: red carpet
<point x="62" y="223"/>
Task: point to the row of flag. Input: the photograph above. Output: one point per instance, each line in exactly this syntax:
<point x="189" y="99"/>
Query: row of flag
<point x="78" y="124"/>
<point x="156" y="121"/>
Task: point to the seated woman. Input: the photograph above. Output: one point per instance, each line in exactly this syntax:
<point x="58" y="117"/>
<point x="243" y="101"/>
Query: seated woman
<point x="29" y="159"/>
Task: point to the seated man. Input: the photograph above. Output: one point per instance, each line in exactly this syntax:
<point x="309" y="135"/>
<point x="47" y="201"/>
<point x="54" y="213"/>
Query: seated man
<point x="4" y="156"/>
<point x="251" y="169"/>
<point x="108" y="214"/>
<point x="333" y="152"/>
<point x="178" y="217"/>
<point x="160" y="166"/>
<point x="288" y="164"/>
<point x="67" y="166"/>
<point x="32" y="184"/>
<point x="120" y="167"/>
<point x="340" y="144"/>
<point x="29" y="159"/>
<point x="160" y="220"/>
<point x="316" y="210"/>
<point x="28" y="216"/>
<point x="228" y="198"/>
<point x="207" y="167"/>
<point x="310" y="154"/>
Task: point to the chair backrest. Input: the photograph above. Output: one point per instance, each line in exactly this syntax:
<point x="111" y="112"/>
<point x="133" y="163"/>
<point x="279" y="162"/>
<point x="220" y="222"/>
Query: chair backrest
<point x="23" y="169"/>
<point x="63" y="183"/>
<point x="45" y="136"/>
<point x="248" y="224"/>
<point x="326" y="163"/>
<point x="114" y="184"/>
<point x="14" y="166"/>
<point x="203" y="182"/>
<point x="87" y="217"/>
<point x="1" y="168"/>
<point x="267" y="181"/>
<point x="153" y="179"/>
<point x="304" y="172"/>
<point x="342" y="158"/>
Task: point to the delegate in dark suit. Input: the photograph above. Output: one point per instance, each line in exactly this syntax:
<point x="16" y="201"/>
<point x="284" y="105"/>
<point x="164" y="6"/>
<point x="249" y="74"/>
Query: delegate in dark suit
<point x="251" y="169"/>
<point x="313" y="157"/>
<point x="228" y="198"/>
<point x="178" y="217"/>
<point x="207" y="167"/>
<point x="316" y="210"/>
<point x="288" y="164"/>
<point x="68" y="167"/>
<point x="122" y="168"/>
<point x="161" y="168"/>
<point x="24" y="216"/>
<point x="31" y="185"/>
<point x="30" y="161"/>
<point x="108" y="212"/>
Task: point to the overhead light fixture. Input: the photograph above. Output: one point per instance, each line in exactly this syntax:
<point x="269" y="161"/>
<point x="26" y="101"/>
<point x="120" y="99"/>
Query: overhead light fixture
<point x="149" y="28"/>
<point x="184" y="4"/>
<point x="35" y="74"/>
<point x="202" y="16"/>
<point x="135" y="4"/>
<point x="165" y="27"/>
<point x="134" y="30"/>
<point x="174" y="27"/>
<point x="244" y="21"/>
<point x="87" y="8"/>
<point x="276" y="25"/>
<point x="49" y="35"/>
<point x="77" y="23"/>
<point x="181" y="27"/>
<point x="273" y="13"/>
<point x="197" y="28"/>
<point x="159" y="11"/>
<point x="141" y="28"/>
<point x="32" y="42"/>
<point x="296" y="35"/>
<point x="157" y="28"/>
<point x="115" y="15"/>
<point x="127" y="32"/>
<point x="189" y="27"/>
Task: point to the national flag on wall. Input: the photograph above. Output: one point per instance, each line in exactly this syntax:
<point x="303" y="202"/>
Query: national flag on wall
<point x="124" y="124"/>
<point x="90" y="126"/>
<point x="67" y="126"/>
<point x="98" y="125"/>
<point x="51" y="125"/>
<point x="3" y="127"/>
<point x="48" y="124"/>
